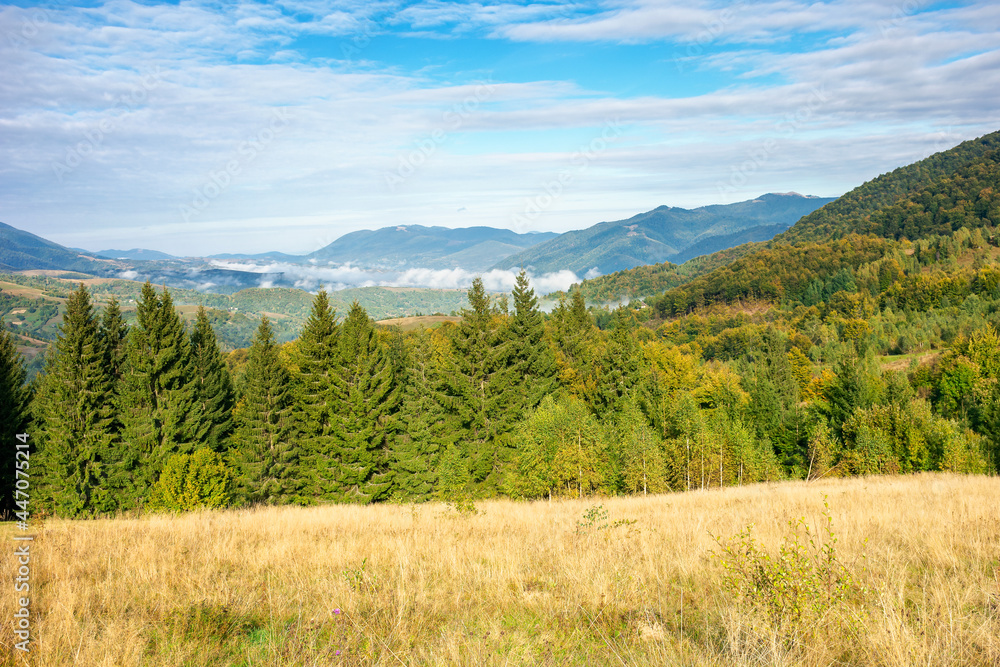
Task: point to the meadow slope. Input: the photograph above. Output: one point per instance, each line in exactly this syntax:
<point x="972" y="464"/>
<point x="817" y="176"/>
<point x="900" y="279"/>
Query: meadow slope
<point x="594" y="581"/>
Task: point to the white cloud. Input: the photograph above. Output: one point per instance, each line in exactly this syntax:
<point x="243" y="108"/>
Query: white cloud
<point x="341" y="277"/>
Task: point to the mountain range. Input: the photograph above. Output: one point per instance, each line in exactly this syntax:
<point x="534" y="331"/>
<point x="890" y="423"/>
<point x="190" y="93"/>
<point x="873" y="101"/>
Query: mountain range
<point x="665" y="234"/>
<point x="414" y="246"/>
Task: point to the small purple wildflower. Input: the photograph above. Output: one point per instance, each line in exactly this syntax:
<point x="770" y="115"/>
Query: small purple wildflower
<point x="336" y="611"/>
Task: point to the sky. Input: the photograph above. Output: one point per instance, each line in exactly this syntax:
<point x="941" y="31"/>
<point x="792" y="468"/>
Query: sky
<point x="200" y="127"/>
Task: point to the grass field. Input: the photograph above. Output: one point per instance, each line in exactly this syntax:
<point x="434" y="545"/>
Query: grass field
<point x="912" y="579"/>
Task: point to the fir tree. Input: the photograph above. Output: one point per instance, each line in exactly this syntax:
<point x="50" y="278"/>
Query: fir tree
<point x="533" y="363"/>
<point x="317" y="387"/>
<point x="618" y="374"/>
<point x="479" y="385"/>
<point x="424" y="432"/>
<point x="575" y="339"/>
<point x="213" y="388"/>
<point x="774" y="400"/>
<point x="265" y="458"/>
<point x="76" y="447"/>
<point x="14" y="414"/>
<point x="156" y="398"/>
<point x="114" y="338"/>
<point x="367" y="396"/>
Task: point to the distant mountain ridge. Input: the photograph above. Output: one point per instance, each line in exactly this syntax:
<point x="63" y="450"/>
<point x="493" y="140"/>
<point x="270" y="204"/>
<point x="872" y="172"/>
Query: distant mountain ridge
<point x="666" y="234"/>
<point x="134" y="253"/>
<point x="415" y="246"/>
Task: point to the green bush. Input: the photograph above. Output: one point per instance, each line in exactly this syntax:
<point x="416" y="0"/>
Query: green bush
<point x="192" y="481"/>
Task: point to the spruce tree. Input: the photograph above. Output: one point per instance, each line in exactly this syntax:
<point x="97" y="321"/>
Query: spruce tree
<point x="156" y="399"/>
<point x="263" y="452"/>
<point x="616" y="377"/>
<point x="317" y="386"/>
<point x="76" y="439"/>
<point x="213" y="388"/>
<point x="479" y="385"/>
<point x="367" y="397"/>
<point x="774" y="399"/>
<point x="114" y="338"/>
<point x="14" y="414"/>
<point x="424" y="432"/>
<point x="534" y="365"/>
<point x="576" y="341"/>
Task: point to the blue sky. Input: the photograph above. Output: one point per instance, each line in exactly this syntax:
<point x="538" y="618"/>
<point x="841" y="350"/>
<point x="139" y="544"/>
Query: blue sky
<point x="204" y="127"/>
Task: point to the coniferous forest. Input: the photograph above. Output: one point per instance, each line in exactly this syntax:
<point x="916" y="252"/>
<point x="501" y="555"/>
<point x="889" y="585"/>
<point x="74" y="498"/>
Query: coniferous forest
<point x="863" y="341"/>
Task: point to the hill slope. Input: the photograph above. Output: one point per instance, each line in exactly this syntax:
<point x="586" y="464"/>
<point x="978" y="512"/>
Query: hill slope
<point x="22" y="251"/>
<point x="939" y="195"/>
<point x="954" y="188"/>
<point x="665" y="234"/>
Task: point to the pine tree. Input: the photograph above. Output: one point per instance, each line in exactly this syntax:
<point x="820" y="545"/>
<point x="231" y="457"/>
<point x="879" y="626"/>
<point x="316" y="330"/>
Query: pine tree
<point x="213" y="388"/>
<point x="424" y="432"/>
<point x="576" y="343"/>
<point x="534" y="366"/>
<point x="619" y="371"/>
<point x="774" y="400"/>
<point x="479" y="386"/>
<point x="114" y="338"/>
<point x="262" y="451"/>
<point x="156" y="398"/>
<point x="367" y="397"/>
<point x="317" y="387"/>
<point x="14" y="414"/>
<point x="76" y="439"/>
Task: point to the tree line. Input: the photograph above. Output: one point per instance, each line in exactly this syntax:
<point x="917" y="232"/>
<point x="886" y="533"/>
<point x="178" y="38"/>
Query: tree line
<point x="508" y="401"/>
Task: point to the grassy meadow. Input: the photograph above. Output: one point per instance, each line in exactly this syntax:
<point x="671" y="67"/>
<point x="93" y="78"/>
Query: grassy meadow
<point x="913" y="578"/>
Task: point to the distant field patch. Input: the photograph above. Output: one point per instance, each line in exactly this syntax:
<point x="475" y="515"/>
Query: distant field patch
<point x="901" y="362"/>
<point x="27" y="292"/>
<point x="410" y="323"/>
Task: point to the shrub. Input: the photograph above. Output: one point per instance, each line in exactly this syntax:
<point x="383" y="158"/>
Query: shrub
<point x="799" y="586"/>
<point x="192" y="481"/>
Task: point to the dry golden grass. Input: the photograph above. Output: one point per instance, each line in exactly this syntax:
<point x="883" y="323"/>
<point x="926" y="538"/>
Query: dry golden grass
<point x="516" y="584"/>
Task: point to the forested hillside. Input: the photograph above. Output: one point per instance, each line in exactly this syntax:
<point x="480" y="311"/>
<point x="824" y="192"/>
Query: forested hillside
<point x="651" y="279"/>
<point x="938" y="195"/>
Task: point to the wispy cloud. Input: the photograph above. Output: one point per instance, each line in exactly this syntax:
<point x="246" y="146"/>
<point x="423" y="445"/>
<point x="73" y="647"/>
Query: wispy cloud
<point x="697" y="86"/>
